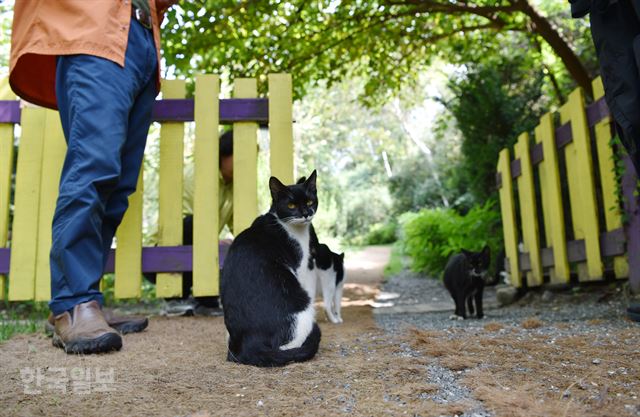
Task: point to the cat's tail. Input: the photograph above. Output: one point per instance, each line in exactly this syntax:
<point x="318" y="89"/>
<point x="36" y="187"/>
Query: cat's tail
<point x="257" y="354"/>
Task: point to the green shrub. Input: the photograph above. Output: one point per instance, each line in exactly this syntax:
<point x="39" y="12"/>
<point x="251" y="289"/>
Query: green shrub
<point x="381" y="234"/>
<point x="396" y="261"/>
<point x="430" y="236"/>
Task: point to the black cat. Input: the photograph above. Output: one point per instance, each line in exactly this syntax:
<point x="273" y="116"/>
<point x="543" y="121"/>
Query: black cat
<point x="268" y="282"/>
<point x="465" y="278"/>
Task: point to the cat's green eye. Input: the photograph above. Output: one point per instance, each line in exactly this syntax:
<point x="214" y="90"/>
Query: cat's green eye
<point x="291" y="205"/>
<point x="309" y="203"/>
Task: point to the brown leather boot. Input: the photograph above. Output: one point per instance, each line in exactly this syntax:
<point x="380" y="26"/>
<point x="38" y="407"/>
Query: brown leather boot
<point x="86" y="332"/>
<point x="123" y="324"/>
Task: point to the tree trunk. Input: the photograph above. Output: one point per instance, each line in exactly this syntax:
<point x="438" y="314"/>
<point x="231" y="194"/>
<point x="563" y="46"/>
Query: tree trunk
<point x="562" y="49"/>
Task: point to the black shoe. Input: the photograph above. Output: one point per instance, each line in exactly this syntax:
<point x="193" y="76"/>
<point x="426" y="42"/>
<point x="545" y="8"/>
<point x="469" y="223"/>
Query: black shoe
<point x="633" y="311"/>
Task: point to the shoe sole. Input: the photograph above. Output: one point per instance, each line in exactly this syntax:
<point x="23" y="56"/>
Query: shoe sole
<point x="633" y="315"/>
<point x="209" y="312"/>
<point x="123" y="328"/>
<point x="130" y="327"/>
<point x="188" y="312"/>
<point x="108" y="342"/>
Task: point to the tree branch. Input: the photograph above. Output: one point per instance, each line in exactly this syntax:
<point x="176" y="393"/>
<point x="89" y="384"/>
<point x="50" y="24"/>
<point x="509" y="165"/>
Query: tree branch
<point x="423" y="6"/>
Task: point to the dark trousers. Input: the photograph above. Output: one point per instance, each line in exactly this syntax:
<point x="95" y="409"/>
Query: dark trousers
<point x="615" y="28"/>
<point x="105" y="111"/>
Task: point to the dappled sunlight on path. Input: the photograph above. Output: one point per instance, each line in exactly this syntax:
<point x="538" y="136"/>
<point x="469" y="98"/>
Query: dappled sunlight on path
<point x="367" y="265"/>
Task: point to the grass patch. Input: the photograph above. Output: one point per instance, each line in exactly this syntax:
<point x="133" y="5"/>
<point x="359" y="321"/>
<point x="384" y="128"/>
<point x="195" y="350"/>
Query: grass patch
<point x="396" y="261"/>
<point x="23" y="317"/>
<point x="107" y="286"/>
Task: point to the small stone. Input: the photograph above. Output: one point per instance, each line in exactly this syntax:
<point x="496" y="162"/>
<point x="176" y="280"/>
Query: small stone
<point x="260" y="403"/>
<point x="596" y="361"/>
<point x="506" y="295"/>
<point x="547" y="296"/>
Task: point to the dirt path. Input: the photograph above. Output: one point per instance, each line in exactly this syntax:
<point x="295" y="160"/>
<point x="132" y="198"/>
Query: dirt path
<point x="399" y="364"/>
<point x="177" y="367"/>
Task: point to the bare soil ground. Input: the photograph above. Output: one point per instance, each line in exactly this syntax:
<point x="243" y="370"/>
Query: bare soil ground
<point x="514" y="372"/>
<point x="177" y="367"/>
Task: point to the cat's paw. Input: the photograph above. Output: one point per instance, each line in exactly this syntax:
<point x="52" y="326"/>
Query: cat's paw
<point x="333" y="319"/>
<point x="455" y="317"/>
<point x="340" y="319"/>
<point x="480" y="316"/>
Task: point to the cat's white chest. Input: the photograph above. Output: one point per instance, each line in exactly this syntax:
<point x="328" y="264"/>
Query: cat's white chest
<point x="303" y="320"/>
<point x="306" y="276"/>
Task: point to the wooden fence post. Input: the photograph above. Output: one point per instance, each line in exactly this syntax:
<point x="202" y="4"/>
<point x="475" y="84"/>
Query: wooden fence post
<point x="171" y="189"/>
<point x="24" y="249"/>
<point x="507" y="209"/>
<point x="128" y="267"/>
<point x="6" y="168"/>
<point x="551" y="196"/>
<point x="245" y="162"/>
<point x="206" y="269"/>
<point x="528" y="211"/>
<point x="581" y="186"/>
<point x="281" y="127"/>
<point x="612" y="209"/>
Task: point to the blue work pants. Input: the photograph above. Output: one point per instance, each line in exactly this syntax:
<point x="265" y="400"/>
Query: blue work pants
<point x="105" y="111"/>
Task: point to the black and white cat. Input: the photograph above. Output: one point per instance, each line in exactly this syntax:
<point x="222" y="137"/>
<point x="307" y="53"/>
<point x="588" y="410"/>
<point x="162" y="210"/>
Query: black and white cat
<point x="330" y="272"/>
<point x="268" y="282"/>
<point x="329" y="268"/>
<point x="465" y="278"/>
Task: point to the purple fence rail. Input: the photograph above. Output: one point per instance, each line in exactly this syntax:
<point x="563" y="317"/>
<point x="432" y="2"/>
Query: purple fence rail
<point x="169" y="258"/>
<point x="177" y="110"/>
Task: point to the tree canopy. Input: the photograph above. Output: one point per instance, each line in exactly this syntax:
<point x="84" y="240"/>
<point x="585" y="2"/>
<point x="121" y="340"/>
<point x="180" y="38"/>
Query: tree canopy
<point x="386" y="42"/>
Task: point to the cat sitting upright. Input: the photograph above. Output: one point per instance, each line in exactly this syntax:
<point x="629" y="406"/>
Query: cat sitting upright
<point x="465" y="277"/>
<point x="268" y="282"/>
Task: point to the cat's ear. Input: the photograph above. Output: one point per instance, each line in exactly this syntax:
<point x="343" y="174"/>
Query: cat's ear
<point x="311" y="181"/>
<point x="301" y="180"/>
<point x="276" y="187"/>
<point x="341" y="256"/>
<point x="466" y="253"/>
<point x="486" y="251"/>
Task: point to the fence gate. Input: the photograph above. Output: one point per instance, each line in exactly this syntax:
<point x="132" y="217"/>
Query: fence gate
<point x="568" y="173"/>
<point x="27" y="200"/>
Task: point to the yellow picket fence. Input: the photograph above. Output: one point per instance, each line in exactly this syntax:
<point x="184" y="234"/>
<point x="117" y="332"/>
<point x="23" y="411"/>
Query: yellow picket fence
<point x="26" y="213"/>
<point x="568" y="174"/>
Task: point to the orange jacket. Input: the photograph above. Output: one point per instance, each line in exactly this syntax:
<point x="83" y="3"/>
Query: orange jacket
<point x="44" y="29"/>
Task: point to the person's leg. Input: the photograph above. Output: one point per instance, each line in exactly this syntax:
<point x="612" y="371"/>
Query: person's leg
<point x="131" y="162"/>
<point x="136" y="138"/>
<point x="95" y="98"/>
<point x="615" y="30"/>
<point x="93" y="104"/>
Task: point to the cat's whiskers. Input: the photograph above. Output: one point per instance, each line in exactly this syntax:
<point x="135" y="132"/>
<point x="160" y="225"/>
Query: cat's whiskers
<point x="297" y="220"/>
